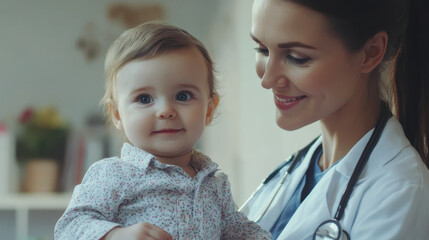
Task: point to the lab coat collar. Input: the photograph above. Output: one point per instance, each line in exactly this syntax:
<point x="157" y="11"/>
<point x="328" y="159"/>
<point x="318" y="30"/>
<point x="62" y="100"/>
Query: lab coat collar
<point x="285" y="194"/>
<point x="323" y="201"/>
<point x="391" y="142"/>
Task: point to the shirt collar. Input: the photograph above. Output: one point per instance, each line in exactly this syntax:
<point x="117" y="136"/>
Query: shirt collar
<point x="143" y="159"/>
<point x="136" y="155"/>
<point x="202" y="163"/>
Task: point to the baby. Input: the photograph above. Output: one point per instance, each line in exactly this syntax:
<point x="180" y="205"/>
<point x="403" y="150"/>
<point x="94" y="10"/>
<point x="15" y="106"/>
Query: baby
<point x="160" y="92"/>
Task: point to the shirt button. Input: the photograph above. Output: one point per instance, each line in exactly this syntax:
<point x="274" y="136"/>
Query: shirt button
<point x="185" y="218"/>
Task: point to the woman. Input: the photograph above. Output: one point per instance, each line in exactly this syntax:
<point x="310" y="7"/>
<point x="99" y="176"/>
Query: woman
<point x="340" y="62"/>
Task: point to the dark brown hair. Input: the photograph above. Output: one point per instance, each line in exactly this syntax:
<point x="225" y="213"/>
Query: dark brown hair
<point x="406" y="23"/>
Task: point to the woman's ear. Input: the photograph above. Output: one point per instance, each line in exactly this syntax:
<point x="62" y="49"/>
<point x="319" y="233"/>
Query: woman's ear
<point x="114" y="114"/>
<point x="214" y="101"/>
<point x="374" y="50"/>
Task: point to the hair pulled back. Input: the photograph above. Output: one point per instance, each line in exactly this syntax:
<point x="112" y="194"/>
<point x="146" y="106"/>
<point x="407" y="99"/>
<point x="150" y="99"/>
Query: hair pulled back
<point x="406" y="23"/>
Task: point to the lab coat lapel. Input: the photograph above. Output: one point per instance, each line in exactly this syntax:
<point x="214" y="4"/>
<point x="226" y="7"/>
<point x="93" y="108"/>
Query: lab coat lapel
<point x="380" y="156"/>
<point x="287" y="190"/>
<point x="322" y="203"/>
<point x="319" y="206"/>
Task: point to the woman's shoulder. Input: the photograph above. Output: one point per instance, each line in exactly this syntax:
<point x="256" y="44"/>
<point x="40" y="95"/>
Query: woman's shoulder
<point x="396" y="160"/>
<point x="407" y="167"/>
<point x="405" y="172"/>
<point x="401" y="182"/>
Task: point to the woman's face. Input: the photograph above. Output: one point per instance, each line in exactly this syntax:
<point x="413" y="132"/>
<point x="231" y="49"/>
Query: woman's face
<point x="311" y="73"/>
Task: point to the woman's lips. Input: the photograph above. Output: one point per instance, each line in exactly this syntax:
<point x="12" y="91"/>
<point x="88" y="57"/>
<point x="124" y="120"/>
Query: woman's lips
<point x="287" y="102"/>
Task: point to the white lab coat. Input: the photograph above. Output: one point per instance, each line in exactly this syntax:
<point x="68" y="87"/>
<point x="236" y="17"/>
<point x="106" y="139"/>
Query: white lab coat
<point x="390" y="200"/>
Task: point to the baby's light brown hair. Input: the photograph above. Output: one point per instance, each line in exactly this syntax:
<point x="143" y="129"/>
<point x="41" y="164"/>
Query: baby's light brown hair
<point x="148" y="40"/>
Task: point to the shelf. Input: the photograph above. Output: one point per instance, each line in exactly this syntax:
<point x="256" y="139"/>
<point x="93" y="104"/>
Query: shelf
<point x="35" y="201"/>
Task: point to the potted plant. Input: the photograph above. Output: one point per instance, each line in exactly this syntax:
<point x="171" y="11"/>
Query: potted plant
<point x="40" y="146"/>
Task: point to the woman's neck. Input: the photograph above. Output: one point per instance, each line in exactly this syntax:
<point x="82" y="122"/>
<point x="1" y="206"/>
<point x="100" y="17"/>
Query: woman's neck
<point x="343" y="129"/>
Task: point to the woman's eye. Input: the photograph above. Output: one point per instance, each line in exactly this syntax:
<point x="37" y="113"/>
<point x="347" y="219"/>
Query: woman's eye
<point x="298" y="61"/>
<point x="183" y="96"/>
<point x="262" y="51"/>
<point x="144" y="99"/>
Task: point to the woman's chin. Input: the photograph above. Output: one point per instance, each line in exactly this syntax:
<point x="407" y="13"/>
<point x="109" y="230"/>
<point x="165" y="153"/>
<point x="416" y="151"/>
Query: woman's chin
<point x="290" y="125"/>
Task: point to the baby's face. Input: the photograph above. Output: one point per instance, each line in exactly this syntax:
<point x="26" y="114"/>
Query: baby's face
<point x="163" y="103"/>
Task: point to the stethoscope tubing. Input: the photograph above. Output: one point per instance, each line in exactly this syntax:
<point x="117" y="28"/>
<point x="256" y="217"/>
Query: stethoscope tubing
<point x="296" y="158"/>
<point x="273" y="197"/>
<point x="385" y="114"/>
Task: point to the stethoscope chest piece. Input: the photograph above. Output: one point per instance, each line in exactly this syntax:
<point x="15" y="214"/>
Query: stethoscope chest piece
<point x="330" y="230"/>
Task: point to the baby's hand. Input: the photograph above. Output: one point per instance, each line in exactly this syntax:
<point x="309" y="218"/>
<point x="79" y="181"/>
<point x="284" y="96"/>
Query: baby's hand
<point x="139" y="231"/>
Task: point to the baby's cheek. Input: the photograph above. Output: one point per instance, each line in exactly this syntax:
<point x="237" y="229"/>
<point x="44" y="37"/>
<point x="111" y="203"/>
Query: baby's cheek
<point x="134" y="132"/>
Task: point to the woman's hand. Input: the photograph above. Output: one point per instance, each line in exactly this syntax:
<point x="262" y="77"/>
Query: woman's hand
<point x="139" y="231"/>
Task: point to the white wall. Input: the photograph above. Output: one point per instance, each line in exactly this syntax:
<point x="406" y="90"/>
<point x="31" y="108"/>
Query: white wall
<point x="245" y="140"/>
<point x="39" y="65"/>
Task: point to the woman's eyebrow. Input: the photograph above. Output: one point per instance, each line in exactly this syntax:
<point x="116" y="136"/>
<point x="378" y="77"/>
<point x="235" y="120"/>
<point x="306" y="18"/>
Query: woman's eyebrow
<point x="287" y="44"/>
<point x="294" y="44"/>
<point x="254" y="38"/>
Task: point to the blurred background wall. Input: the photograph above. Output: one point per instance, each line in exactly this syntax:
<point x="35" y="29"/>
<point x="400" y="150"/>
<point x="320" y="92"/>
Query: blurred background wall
<point x="52" y="54"/>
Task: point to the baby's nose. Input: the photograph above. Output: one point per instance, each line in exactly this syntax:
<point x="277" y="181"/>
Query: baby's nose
<point x="166" y="111"/>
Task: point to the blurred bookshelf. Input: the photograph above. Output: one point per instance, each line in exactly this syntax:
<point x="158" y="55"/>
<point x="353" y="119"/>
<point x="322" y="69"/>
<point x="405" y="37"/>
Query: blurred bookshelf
<point x="31" y="202"/>
<point x="46" y="201"/>
<point x="27" y="216"/>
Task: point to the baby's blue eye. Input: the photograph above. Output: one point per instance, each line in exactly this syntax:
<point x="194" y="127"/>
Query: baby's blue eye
<point x="183" y="96"/>
<point x="145" y="99"/>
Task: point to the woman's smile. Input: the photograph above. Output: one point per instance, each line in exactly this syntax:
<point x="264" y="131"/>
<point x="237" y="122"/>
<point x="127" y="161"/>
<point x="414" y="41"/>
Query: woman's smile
<point x="287" y="102"/>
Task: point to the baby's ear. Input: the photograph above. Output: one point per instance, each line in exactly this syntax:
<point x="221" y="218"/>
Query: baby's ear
<point x="112" y="107"/>
<point x="213" y="102"/>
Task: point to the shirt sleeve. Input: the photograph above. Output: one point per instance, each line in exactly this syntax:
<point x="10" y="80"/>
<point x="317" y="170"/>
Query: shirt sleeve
<point x="94" y="204"/>
<point x="235" y="225"/>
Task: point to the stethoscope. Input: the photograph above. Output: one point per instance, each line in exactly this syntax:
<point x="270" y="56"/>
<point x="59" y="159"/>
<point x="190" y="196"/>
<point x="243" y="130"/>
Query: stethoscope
<point x="331" y="228"/>
<point x="296" y="159"/>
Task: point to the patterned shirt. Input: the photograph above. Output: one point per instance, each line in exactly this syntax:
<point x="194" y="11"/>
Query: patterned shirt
<point x="138" y="188"/>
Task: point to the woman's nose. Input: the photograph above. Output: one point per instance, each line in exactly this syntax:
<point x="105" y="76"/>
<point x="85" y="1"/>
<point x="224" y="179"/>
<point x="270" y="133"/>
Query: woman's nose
<point x="166" y="111"/>
<point x="273" y="75"/>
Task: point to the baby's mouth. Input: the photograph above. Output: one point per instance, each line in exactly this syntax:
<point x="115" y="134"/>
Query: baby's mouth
<point x="167" y="130"/>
